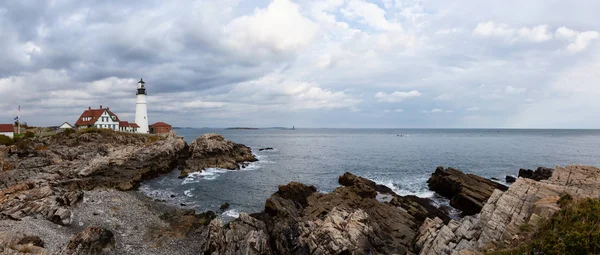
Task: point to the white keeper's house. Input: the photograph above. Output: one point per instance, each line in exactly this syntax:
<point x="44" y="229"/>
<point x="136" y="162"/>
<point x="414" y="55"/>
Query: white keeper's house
<point x="104" y="118"/>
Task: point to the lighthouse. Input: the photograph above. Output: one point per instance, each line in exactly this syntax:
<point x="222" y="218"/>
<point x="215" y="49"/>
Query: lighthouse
<point x="141" y="112"/>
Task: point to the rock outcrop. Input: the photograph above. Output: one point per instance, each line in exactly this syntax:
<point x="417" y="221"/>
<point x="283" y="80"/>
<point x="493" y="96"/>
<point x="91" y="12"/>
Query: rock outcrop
<point x="91" y="241"/>
<point x="299" y="220"/>
<point x="47" y="174"/>
<point x="541" y="173"/>
<point x="213" y="150"/>
<point x="510" y="179"/>
<point x="467" y="192"/>
<point x="499" y="224"/>
<point x="419" y="208"/>
<point x="19" y="243"/>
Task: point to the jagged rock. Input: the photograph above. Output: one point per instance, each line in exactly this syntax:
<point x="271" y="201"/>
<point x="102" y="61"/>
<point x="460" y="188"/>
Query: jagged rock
<point x="92" y="240"/>
<point x="62" y="216"/>
<point x="466" y="192"/>
<point x="498" y="225"/>
<point x="510" y="179"/>
<point x="419" y="208"/>
<point x="19" y="243"/>
<point x="246" y="235"/>
<point x="213" y="150"/>
<point x="265" y="149"/>
<point x="224" y="206"/>
<point x="541" y="173"/>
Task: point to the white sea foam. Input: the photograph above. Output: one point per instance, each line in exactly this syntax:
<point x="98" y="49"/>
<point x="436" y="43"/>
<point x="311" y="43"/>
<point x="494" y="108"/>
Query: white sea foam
<point x="407" y="187"/>
<point x="207" y="174"/>
<point x="189" y="192"/>
<point x="231" y="213"/>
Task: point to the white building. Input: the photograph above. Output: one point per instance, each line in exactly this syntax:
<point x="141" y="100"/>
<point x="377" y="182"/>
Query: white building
<point x="141" y="111"/>
<point x="65" y="125"/>
<point x="98" y="118"/>
<point x="7" y="130"/>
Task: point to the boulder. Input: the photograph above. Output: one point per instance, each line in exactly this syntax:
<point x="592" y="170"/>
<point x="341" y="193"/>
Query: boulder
<point x="466" y="192"/>
<point x="213" y="150"/>
<point x="541" y="173"/>
<point x="92" y="240"/>
<point x="510" y="179"/>
<point x="19" y="243"/>
<point x="224" y="206"/>
<point x="265" y="149"/>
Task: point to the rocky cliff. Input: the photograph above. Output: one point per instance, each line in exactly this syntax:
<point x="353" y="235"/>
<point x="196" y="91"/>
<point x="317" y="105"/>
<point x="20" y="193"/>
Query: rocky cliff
<point x="502" y="218"/>
<point x="44" y="177"/>
<point x="213" y="150"/>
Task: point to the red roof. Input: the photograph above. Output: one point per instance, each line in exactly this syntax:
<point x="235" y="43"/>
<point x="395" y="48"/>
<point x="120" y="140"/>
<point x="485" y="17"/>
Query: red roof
<point x="133" y="125"/>
<point x="123" y="124"/>
<point x="160" y="124"/>
<point x="7" y="128"/>
<point x="94" y="114"/>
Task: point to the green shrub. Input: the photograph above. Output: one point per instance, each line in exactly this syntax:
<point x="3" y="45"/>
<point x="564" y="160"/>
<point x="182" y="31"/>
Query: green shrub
<point x="69" y="131"/>
<point x="88" y="130"/>
<point x="525" y="227"/>
<point x="5" y="140"/>
<point x="28" y="135"/>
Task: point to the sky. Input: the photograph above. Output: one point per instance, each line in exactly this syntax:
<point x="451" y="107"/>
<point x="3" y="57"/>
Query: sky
<point x="325" y="63"/>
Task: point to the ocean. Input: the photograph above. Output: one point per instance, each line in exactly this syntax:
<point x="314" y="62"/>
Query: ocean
<point x="402" y="159"/>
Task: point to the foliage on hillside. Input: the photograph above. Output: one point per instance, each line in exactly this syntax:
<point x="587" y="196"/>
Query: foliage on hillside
<point x="575" y="229"/>
<point x="5" y="140"/>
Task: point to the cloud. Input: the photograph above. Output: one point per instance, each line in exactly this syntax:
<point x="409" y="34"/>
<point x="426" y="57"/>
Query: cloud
<point x="538" y="33"/>
<point x="396" y="96"/>
<point x="226" y="63"/>
<point x="370" y="14"/>
<point x="395" y="110"/>
<point x="473" y="109"/>
<point x="280" y="28"/>
<point x="444" y="97"/>
<point x="513" y="90"/>
<point x="578" y="40"/>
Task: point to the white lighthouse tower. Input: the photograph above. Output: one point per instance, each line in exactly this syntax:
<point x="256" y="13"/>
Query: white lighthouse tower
<point x="141" y="112"/>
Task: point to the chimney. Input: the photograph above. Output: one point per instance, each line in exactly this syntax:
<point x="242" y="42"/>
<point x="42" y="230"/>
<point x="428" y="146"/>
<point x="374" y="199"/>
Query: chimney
<point x="89" y="107"/>
<point x="108" y="108"/>
<point x="100" y="106"/>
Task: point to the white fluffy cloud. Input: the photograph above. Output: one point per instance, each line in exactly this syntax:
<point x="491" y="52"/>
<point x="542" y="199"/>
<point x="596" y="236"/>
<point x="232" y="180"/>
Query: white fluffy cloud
<point x="578" y="40"/>
<point x="538" y="33"/>
<point x="396" y="96"/>
<point x="280" y="28"/>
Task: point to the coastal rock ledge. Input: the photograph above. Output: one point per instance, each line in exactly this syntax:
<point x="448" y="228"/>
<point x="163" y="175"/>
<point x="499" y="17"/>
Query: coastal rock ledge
<point x="498" y="225"/>
<point x="213" y="150"/>
<point x="467" y="192"/>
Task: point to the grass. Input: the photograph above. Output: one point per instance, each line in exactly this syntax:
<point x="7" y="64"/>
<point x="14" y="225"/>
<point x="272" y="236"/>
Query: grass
<point x="575" y="229"/>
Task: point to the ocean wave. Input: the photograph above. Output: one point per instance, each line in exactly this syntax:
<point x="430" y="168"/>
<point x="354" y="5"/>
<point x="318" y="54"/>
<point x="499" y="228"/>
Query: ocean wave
<point x="156" y="193"/>
<point x="189" y="192"/>
<point x="206" y="174"/>
<point x="233" y="213"/>
<point x="415" y="187"/>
